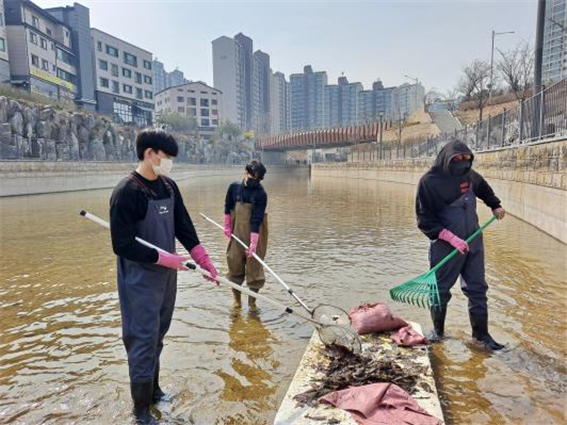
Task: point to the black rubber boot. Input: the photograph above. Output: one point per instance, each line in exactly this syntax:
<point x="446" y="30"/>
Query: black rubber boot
<point x="142" y="396"/>
<point x="479" y="324"/>
<point x="438" y="315"/>
<point x="252" y="300"/>
<point x="237" y="303"/>
<point x="158" y="394"/>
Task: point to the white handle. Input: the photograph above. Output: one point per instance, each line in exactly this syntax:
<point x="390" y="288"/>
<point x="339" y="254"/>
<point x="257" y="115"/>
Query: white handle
<point x="273" y="273"/>
<point x="195" y="267"/>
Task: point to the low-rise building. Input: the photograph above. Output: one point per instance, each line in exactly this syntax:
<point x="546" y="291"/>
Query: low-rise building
<point x="4" y="56"/>
<point x="42" y="59"/>
<point x="77" y="17"/>
<point x="195" y="100"/>
<point x="124" y="79"/>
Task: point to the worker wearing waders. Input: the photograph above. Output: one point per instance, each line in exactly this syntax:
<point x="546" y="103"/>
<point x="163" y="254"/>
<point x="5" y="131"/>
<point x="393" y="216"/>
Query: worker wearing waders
<point x="148" y="204"/>
<point x="245" y="216"/>
<point x="446" y="214"/>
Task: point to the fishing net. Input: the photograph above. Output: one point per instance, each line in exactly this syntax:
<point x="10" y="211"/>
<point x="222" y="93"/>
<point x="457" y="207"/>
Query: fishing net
<point x="335" y="328"/>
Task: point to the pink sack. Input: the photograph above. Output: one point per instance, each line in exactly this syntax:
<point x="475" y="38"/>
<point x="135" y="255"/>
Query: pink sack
<point x="376" y="317"/>
<point x="408" y="337"/>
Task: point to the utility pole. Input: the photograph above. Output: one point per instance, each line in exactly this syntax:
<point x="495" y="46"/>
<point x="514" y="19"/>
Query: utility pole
<point x="540" y="25"/>
<point x="494" y="34"/>
<point x="381" y="131"/>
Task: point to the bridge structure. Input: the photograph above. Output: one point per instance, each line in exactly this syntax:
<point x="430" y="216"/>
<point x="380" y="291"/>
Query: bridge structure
<point x="324" y="138"/>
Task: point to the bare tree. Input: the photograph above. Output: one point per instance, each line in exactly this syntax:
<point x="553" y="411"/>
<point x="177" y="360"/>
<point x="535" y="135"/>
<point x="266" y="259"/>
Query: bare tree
<point x="431" y="96"/>
<point x="474" y="83"/>
<point x="516" y="67"/>
<point x="451" y="98"/>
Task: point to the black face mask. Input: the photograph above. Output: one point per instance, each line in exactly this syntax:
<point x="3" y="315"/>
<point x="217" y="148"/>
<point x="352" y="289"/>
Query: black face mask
<point x="460" y="168"/>
<point x="252" y="183"/>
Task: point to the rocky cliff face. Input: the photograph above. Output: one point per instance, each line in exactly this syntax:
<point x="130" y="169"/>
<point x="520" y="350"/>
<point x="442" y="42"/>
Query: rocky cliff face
<point x="30" y="131"/>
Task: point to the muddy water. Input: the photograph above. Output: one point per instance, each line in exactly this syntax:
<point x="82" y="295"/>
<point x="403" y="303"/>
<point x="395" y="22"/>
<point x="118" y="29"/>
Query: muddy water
<point x="336" y="241"/>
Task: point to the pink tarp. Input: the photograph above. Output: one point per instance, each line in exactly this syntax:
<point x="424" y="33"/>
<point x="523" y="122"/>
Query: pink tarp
<point x="408" y="337"/>
<point x="380" y="404"/>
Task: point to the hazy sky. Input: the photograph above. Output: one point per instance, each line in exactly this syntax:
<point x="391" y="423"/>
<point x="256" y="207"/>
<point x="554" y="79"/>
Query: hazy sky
<point x="430" y="40"/>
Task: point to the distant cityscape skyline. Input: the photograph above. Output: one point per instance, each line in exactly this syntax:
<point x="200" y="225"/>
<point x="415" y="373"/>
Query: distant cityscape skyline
<point x="426" y="40"/>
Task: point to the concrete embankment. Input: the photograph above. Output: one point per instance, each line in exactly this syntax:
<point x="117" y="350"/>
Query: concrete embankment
<point x="37" y="177"/>
<point x="531" y="180"/>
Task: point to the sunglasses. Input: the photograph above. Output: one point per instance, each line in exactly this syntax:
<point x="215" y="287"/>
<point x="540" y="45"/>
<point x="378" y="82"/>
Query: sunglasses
<point x="461" y="157"/>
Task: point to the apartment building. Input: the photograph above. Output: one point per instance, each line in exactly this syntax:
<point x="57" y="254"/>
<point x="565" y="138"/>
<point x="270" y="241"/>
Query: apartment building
<point x="124" y="79"/>
<point x="194" y="100"/>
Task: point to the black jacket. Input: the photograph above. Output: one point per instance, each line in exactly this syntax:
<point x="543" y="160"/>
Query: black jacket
<point x="128" y="205"/>
<point x="249" y="195"/>
<point x="439" y="188"/>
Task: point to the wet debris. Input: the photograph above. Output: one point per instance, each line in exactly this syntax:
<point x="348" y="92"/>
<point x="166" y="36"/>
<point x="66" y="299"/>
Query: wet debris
<point x="341" y="369"/>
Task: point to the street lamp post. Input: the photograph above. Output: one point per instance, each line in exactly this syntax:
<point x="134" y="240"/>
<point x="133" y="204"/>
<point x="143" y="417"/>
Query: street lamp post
<point x="494" y="34"/>
<point x="381" y="131"/>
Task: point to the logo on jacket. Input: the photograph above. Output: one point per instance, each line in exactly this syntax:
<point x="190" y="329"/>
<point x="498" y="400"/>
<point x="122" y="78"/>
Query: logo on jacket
<point x="163" y="209"/>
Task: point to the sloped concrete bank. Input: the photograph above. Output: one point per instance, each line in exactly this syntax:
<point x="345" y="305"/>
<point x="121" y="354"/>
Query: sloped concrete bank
<point x="531" y="180"/>
<point x="38" y="177"/>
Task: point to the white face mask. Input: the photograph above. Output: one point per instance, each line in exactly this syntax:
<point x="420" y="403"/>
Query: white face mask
<point x="164" y="167"/>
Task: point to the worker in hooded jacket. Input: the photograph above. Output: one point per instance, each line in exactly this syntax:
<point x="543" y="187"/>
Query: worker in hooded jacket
<point x="446" y="206"/>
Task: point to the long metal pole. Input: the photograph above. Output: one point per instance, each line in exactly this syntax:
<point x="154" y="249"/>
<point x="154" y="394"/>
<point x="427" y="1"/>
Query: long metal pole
<point x="491" y="65"/>
<point x="220" y="279"/>
<point x="273" y="273"/>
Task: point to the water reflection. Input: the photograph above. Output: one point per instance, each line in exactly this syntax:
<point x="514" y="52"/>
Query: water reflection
<point x="334" y="241"/>
<point x="249" y="382"/>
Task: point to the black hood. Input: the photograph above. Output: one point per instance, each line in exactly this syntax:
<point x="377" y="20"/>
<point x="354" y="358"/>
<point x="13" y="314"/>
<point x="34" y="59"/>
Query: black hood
<point x="451" y="149"/>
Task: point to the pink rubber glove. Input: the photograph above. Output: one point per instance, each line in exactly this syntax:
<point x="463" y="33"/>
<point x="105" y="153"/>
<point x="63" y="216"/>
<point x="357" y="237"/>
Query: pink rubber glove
<point x="173" y="261"/>
<point x="228" y="225"/>
<point x="200" y="256"/>
<point x="253" y="244"/>
<point x="454" y="240"/>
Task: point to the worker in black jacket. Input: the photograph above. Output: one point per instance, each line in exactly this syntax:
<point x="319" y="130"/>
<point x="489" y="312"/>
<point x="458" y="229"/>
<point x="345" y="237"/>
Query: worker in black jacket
<point x="147" y="204"/>
<point x="246" y="218"/>
<point x="446" y="214"/>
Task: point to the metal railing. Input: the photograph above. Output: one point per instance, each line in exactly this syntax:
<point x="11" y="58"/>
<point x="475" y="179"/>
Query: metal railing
<point x="539" y="117"/>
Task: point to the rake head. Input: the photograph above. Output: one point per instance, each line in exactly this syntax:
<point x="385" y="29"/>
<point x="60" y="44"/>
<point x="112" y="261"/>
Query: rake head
<point x="421" y="291"/>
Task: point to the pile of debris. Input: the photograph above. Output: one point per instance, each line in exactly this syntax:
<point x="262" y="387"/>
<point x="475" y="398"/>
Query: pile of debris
<point x="341" y="369"/>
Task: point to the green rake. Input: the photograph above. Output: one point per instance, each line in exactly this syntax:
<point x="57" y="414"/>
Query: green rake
<point x="422" y="290"/>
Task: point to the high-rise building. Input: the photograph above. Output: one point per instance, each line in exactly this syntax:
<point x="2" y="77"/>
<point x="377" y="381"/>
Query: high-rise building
<point x="174" y="78"/>
<point x="43" y="58"/>
<point x="408" y="98"/>
<point x="77" y="17"/>
<point x="554" y="61"/>
<point x="164" y="79"/>
<point x="124" y="79"/>
<point x="341" y="103"/>
<point x="243" y="76"/>
<point x="280" y="103"/>
<point x="307" y="99"/>
<point x="4" y="56"/>
<point x="261" y="119"/>
<point x="159" y="75"/>
<point x="247" y="49"/>
<point x="228" y="77"/>
<point x="375" y="103"/>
